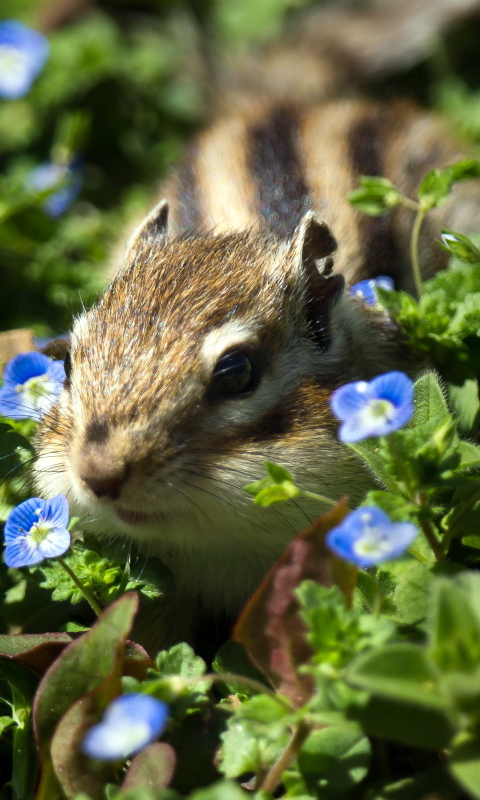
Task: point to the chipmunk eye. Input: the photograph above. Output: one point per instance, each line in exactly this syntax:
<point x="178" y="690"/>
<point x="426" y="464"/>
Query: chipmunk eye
<point x="67" y="365"/>
<point x="234" y="374"/>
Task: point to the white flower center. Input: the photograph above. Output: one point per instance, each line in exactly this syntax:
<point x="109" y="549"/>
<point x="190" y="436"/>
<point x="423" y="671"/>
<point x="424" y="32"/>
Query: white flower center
<point x="13" y="67"/>
<point x="38" y="392"/>
<point x="380" y="408"/>
<point x="133" y="736"/>
<point x="373" y="540"/>
<point x="39" y="531"/>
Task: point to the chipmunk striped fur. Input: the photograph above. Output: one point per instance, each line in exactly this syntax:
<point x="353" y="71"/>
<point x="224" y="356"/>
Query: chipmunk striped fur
<point x="224" y="332"/>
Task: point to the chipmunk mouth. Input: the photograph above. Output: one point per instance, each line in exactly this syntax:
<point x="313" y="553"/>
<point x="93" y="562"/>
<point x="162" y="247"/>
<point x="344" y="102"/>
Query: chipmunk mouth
<point x="135" y="517"/>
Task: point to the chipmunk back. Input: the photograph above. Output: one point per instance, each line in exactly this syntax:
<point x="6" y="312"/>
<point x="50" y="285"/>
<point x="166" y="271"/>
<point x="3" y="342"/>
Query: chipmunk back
<point x="218" y="343"/>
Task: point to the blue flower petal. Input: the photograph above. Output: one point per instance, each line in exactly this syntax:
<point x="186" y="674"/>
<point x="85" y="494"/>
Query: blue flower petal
<point x="385" y="282"/>
<point x="55" y="544"/>
<point x="393" y="386"/>
<point x="357" y="428"/>
<point x="22" y="517"/>
<point x="365" y="290"/>
<point x="66" y="181"/>
<point x="13" y="405"/>
<point x="23" y="53"/>
<point x="349" y="399"/>
<point x="376" y="408"/>
<point x="49" y="537"/>
<point x="130" y="723"/>
<point x="21" y="553"/>
<point x="367" y="537"/>
<point x="56" y="511"/>
<point x="25" y="366"/>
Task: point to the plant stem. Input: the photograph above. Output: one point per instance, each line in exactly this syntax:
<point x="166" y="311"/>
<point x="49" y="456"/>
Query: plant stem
<point x="458" y="517"/>
<point x="275" y="775"/>
<point x="432" y="540"/>
<point x="87" y="595"/>
<point x="417" y="272"/>
<point x="320" y="497"/>
<point x="411" y="204"/>
<point x="224" y="677"/>
<point x="400" y="464"/>
<point x="428" y="531"/>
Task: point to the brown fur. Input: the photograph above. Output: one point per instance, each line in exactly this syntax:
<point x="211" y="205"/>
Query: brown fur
<point x="137" y="441"/>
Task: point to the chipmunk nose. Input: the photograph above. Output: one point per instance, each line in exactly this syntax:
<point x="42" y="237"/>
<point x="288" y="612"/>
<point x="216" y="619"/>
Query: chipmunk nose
<point x="103" y="478"/>
<point x="106" y="484"/>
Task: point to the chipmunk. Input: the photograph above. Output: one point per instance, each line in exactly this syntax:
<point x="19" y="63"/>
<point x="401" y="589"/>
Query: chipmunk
<point x="220" y="339"/>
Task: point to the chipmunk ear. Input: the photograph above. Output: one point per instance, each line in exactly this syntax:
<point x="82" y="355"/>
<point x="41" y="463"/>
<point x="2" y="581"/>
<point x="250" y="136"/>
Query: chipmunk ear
<point x="152" y="229"/>
<point x="315" y="243"/>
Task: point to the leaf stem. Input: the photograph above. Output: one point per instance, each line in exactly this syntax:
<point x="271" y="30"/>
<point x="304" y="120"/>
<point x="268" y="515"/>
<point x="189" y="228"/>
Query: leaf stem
<point x="466" y="507"/>
<point x="230" y="677"/>
<point x="408" y="203"/>
<point x="291" y="751"/>
<point x="320" y="497"/>
<point x="429" y="532"/>
<point x="414" y="243"/>
<point x="78" y="583"/>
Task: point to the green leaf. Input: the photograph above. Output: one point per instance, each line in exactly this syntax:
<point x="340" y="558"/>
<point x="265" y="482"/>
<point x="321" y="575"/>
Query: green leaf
<point x="223" y="790"/>
<point x="429" y="400"/>
<point x="152" y="768"/>
<point x="465" y="764"/>
<point x="181" y="662"/>
<point x="470" y="455"/>
<point x="277" y="473"/>
<point x="455" y="643"/>
<point x="459" y="246"/>
<point x="35" y="650"/>
<point x="375" y="197"/>
<point x="334" y="759"/>
<point x="400" y="671"/>
<point x="370" y="450"/>
<point x="240" y="751"/>
<point x="83" y="665"/>
<point x="232" y="658"/>
<point x="462" y="170"/>
<point x="277" y="494"/>
<point x="466" y="405"/>
<point x="434" y="782"/>
<point x="412" y="595"/>
<point x="435" y="188"/>
<point x="397" y="508"/>
<point x="257" y="487"/>
<point x="472" y="541"/>
<point x="404" y="721"/>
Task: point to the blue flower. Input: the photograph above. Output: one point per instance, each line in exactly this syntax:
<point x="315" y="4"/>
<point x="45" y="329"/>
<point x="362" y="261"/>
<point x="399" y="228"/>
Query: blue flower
<point x="31" y="383"/>
<point x="23" y="53"/>
<point x="64" y="181"/>
<point x="365" y="290"/>
<point x="373" y="408"/>
<point x="367" y="537"/>
<point x="130" y="723"/>
<point x="36" y="529"/>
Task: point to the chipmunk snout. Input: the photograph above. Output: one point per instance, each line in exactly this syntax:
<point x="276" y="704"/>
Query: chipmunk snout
<point x="101" y="472"/>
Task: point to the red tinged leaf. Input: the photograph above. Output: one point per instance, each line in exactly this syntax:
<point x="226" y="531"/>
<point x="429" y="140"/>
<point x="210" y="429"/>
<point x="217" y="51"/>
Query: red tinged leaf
<point x="136" y="662"/>
<point x="91" y="665"/>
<point x="37" y="651"/>
<point x="72" y="769"/>
<point x="153" y="768"/>
<point x="270" y="627"/>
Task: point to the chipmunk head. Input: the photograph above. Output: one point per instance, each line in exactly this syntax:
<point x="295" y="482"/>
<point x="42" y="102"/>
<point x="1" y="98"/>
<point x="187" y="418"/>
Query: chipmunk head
<point x="205" y="357"/>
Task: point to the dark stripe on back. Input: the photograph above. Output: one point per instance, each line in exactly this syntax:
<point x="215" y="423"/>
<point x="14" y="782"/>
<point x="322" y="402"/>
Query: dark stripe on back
<point x="366" y="147"/>
<point x="189" y="213"/>
<point x="277" y="170"/>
